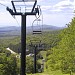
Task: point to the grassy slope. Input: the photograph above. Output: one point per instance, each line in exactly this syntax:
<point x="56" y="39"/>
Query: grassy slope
<point x="51" y="73"/>
<point x="48" y="72"/>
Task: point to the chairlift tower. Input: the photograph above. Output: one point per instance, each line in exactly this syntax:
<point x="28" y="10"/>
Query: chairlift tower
<point x="23" y="12"/>
<point x="35" y="44"/>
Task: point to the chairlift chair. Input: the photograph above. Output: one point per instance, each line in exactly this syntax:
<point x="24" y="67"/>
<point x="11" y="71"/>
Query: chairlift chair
<point x="37" y="26"/>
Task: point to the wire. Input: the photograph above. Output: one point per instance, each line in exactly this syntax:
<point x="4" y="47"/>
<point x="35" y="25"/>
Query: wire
<point x="13" y="16"/>
<point x="3" y="5"/>
<point x="17" y="21"/>
<point x="29" y="21"/>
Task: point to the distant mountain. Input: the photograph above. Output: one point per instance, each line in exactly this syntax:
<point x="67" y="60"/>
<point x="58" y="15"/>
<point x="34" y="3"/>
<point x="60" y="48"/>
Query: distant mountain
<point x="43" y="27"/>
<point x="10" y="31"/>
<point x="9" y="28"/>
<point x="50" y="27"/>
<point x="16" y="31"/>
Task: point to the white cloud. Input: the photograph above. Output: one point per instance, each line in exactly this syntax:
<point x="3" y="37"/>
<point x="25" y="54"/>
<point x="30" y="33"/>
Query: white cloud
<point x="4" y="1"/>
<point x="56" y="10"/>
<point x="74" y="4"/>
<point x="64" y="4"/>
<point x="45" y="7"/>
<point x="59" y="7"/>
<point x="55" y="18"/>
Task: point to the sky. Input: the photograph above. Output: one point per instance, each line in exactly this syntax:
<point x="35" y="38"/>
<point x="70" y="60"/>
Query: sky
<point x="54" y="12"/>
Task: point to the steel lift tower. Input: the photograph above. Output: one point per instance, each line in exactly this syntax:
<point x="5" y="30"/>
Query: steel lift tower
<point x="23" y="14"/>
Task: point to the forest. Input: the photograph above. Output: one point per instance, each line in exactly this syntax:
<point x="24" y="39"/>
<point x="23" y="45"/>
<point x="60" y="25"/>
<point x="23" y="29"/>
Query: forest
<point x="58" y="50"/>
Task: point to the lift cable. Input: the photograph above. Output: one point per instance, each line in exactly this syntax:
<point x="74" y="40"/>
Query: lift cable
<point x="17" y="21"/>
<point x="25" y="5"/>
<point x="25" y="10"/>
<point x="13" y="17"/>
<point x="3" y="5"/>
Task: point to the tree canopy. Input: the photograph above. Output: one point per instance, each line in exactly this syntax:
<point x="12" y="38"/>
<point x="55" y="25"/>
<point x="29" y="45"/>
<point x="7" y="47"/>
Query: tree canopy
<point x="62" y="56"/>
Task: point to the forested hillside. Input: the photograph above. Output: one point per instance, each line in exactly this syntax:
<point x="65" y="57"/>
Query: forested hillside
<point x="59" y="46"/>
<point x="14" y="31"/>
<point x="48" y="38"/>
<point x="11" y="37"/>
<point x="8" y="63"/>
<point x="62" y="56"/>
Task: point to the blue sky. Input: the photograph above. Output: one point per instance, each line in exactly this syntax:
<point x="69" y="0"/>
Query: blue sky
<point x="55" y="12"/>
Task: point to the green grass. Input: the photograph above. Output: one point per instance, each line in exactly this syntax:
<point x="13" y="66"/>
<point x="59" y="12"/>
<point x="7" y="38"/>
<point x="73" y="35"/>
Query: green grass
<point x="43" y="53"/>
<point x="51" y="73"/>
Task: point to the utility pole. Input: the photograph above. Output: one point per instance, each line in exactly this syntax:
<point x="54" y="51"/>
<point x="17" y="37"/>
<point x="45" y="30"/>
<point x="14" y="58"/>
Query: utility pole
<point x="35" y="44"/>
<point x="23" y="30"/>
<point x="23" y="45"/>
<point x="35" y="58"/>
<point x="35" y="53"/>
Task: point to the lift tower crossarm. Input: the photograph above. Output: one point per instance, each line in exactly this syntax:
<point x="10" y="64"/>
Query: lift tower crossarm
<point x="13" y="6"/>
<point x="11" y="12"/>
<point x="34" y="6"/>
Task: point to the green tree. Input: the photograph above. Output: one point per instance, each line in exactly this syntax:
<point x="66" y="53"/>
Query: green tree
<point x="62" y="56"/>
<point x="8" y="63"/>
<point x="30" y="65"/>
